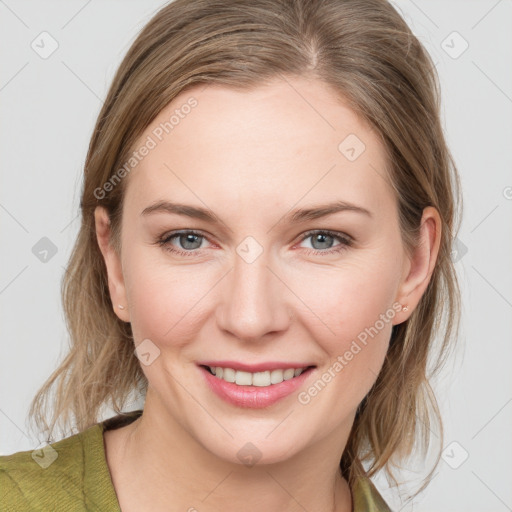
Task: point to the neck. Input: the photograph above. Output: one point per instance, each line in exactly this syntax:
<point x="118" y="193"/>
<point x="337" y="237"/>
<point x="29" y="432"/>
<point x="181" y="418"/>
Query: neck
<point x="159" y="463"/>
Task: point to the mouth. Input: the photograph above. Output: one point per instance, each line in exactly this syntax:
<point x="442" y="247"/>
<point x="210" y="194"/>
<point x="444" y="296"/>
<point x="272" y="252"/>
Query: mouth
<point x="254" y="389"/>
<point x="259" y="379"/>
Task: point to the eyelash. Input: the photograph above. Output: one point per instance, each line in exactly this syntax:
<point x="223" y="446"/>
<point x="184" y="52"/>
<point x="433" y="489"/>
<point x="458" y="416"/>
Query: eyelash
<point x="345" y="242"/>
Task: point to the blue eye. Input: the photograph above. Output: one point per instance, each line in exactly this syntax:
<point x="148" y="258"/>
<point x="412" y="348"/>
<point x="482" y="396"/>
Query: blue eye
<point x="190" y="241"/>
<point x="187" y="239"/>
<point x="322" y="237"/>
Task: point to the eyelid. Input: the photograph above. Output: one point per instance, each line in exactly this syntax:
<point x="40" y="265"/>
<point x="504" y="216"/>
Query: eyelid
<point x="335" y="234"/>
<point x="169" y="235"/>
<point x="346" y="241"/>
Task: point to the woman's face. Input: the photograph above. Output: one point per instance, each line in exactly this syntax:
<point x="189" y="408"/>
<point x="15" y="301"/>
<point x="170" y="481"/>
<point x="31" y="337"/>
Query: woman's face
<point x="270" y="276"/>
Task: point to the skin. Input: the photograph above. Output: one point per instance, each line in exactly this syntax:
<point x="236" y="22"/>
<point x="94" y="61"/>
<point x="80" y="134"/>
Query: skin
<point x="251" y="157"/>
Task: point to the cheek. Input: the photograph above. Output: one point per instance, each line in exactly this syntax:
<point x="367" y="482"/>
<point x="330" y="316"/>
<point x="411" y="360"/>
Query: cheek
<point x="348" y="299"/>
<point x="165" y="301"/>
<point x="352" y="325"/>
<point x="337" y="303"/>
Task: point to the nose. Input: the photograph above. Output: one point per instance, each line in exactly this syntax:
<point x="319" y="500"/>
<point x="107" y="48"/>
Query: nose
<point x="254" y="301"/>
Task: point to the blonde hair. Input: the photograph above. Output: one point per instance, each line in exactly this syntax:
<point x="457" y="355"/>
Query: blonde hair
<point x="365" y="51"/>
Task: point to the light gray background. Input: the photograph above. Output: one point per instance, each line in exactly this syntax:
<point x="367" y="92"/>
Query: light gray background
<point x="48" y="110"/>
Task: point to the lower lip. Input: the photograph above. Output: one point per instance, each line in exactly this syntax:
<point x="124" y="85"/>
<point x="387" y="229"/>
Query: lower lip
<point x="253" y="397"/>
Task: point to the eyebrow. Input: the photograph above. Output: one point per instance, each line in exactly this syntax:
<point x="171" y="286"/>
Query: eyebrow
<point x="298" y="215"/>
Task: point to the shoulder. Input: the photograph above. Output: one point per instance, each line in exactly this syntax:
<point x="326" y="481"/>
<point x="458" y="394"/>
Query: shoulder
<point x="54" y="477"/>
<point x="366" y="497"/>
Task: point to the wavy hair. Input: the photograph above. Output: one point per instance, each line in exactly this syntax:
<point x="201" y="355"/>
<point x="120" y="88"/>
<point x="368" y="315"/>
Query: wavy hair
<point x="365" y="52"/>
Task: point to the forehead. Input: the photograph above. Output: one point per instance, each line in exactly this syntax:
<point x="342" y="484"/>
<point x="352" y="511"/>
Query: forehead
<point x="277" y="143"/>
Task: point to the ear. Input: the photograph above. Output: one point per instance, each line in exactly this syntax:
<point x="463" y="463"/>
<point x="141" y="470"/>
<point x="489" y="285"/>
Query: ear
<point x="420" y="265"/>
<point x="113" y="263"/>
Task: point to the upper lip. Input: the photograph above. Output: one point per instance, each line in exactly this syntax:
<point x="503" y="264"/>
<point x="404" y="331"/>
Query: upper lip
<point x="253" y="368"/>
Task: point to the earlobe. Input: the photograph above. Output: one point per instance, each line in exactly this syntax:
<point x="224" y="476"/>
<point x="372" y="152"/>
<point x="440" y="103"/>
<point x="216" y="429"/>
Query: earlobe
<point x="421" y="264"/>
<point x="112" y="262"/>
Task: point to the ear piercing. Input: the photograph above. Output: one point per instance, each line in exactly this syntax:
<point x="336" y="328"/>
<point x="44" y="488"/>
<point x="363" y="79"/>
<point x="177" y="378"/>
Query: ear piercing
<point x="120" y="306"/>
<point x="405" y="308"/>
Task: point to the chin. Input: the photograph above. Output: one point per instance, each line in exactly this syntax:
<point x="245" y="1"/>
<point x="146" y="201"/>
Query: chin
<point x="258" y="450"/>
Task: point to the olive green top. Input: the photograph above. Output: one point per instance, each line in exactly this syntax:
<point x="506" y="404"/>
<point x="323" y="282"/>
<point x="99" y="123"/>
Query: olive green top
<point x="73" y="475"/>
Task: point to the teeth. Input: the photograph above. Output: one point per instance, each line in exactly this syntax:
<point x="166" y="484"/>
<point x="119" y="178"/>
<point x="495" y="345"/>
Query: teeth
<point x="242" y="378"/>
<point x="228" y="374"/>
<point x="260" y="379"/>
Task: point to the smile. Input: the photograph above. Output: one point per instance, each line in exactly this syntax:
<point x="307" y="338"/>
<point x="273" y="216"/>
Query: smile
<point x="254" y="389"/>
<point x="260" y="379"/>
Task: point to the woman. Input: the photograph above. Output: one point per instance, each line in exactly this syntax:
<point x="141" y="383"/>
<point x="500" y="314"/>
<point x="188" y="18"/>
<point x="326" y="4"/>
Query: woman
<point x="267" y="218"/>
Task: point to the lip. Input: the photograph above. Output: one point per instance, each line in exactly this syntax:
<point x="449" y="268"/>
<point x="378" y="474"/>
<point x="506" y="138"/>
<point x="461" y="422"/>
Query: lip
<point x="253" y="397"/>
<point x="253" y="368"/>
